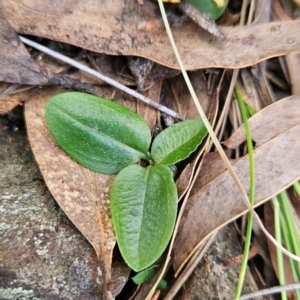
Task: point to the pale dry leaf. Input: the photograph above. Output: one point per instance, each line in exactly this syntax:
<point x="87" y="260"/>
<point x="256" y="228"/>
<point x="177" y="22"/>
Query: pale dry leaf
<point x="293" y="64"/>
<point x="216" y="201"/>
<point x="249" y="90"/>
<point x="262" y="86"/>
<point x="82" y="194"/>
<point x="127" y="28"/>
<point x="269" y="122"/>
<point x="292" y="60"/>
<point x="18" y="67"/>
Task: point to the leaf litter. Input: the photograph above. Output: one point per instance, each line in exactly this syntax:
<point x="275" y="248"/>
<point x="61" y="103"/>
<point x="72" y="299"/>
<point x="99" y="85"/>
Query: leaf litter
<point x="221" y="56"/>
<point x="119" y="28"/>
<point x="215" y="194"/>
<point x="82" y="194"/>
<point x="269" y="122"/>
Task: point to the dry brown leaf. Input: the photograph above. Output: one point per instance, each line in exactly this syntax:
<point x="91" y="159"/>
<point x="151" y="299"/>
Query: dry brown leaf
<point x="180" y="99"/>
<point x="16" y="64"/>
<point x="292" y="60"/>
<point x="215" y="200"/>
<point x="9" y="102"/>
<point x="18" y="67"/>
<point x="82" y="194"/>
<point x="262" y="86"/>
<point x="269" y="122"/>
<point x="127" y="28"/>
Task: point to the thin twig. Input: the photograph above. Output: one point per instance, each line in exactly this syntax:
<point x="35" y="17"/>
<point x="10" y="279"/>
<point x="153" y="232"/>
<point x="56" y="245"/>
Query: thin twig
<point x="271" y="291"/>
<point x="104" y="78"/>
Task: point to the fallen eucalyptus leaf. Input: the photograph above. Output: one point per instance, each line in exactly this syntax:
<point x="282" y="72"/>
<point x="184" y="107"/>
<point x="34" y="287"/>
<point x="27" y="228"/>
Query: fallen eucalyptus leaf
<point x="82" y="194"/>
<point x="269" y="122"/>
<point x="127" y="28"/>
<point x="216" y="201"/>
<point x="178" y="141"/>
<point x="143" y="208"/>
<point x="99" y="134"/>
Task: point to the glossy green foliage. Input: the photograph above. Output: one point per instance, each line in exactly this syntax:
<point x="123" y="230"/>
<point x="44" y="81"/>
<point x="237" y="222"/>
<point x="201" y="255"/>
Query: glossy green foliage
<point x="99" y="134"/>
<point x="143" y="207"/>
<point x="108" y="138"/>
<point x="148" y="274"/>
<point x="177" y="142"/>
<point x="212" y="9"/>
<point x="145" y="275"/>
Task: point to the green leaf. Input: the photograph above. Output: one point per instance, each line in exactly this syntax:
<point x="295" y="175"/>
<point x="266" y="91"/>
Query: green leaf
<point x="162" y="285"/>
<point x="143" y="207"/>
<point x="148" y="274"/>
<point x="213" y="9"/>
<point x="99" y="134"/>
<point x="177" y="142"/>
<point x="145" y="275"/>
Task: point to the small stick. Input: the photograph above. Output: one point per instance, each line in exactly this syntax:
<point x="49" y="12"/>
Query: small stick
<point x="271" y="291"/>
<point x="200" y="19"/>
<point x="104" y="78"/>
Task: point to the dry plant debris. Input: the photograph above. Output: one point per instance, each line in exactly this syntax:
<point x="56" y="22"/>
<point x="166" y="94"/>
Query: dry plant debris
<point x="126" y="28"/>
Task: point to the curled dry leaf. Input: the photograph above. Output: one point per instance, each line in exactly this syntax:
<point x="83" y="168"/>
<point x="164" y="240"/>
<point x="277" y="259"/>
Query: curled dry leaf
<point x="215" y="200"/>
<point x="127" y="28"/>
<point x="82" y="194"/>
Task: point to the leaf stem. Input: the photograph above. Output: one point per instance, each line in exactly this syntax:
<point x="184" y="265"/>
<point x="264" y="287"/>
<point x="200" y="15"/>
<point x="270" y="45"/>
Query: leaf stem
<point x="244" y="113"/>
<point x="296" y="186"/>
<point x="104" y="78"/>
<point x="279" y="255"/>
<point x="287" y="212"/>
<point x="287" y="234"/>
